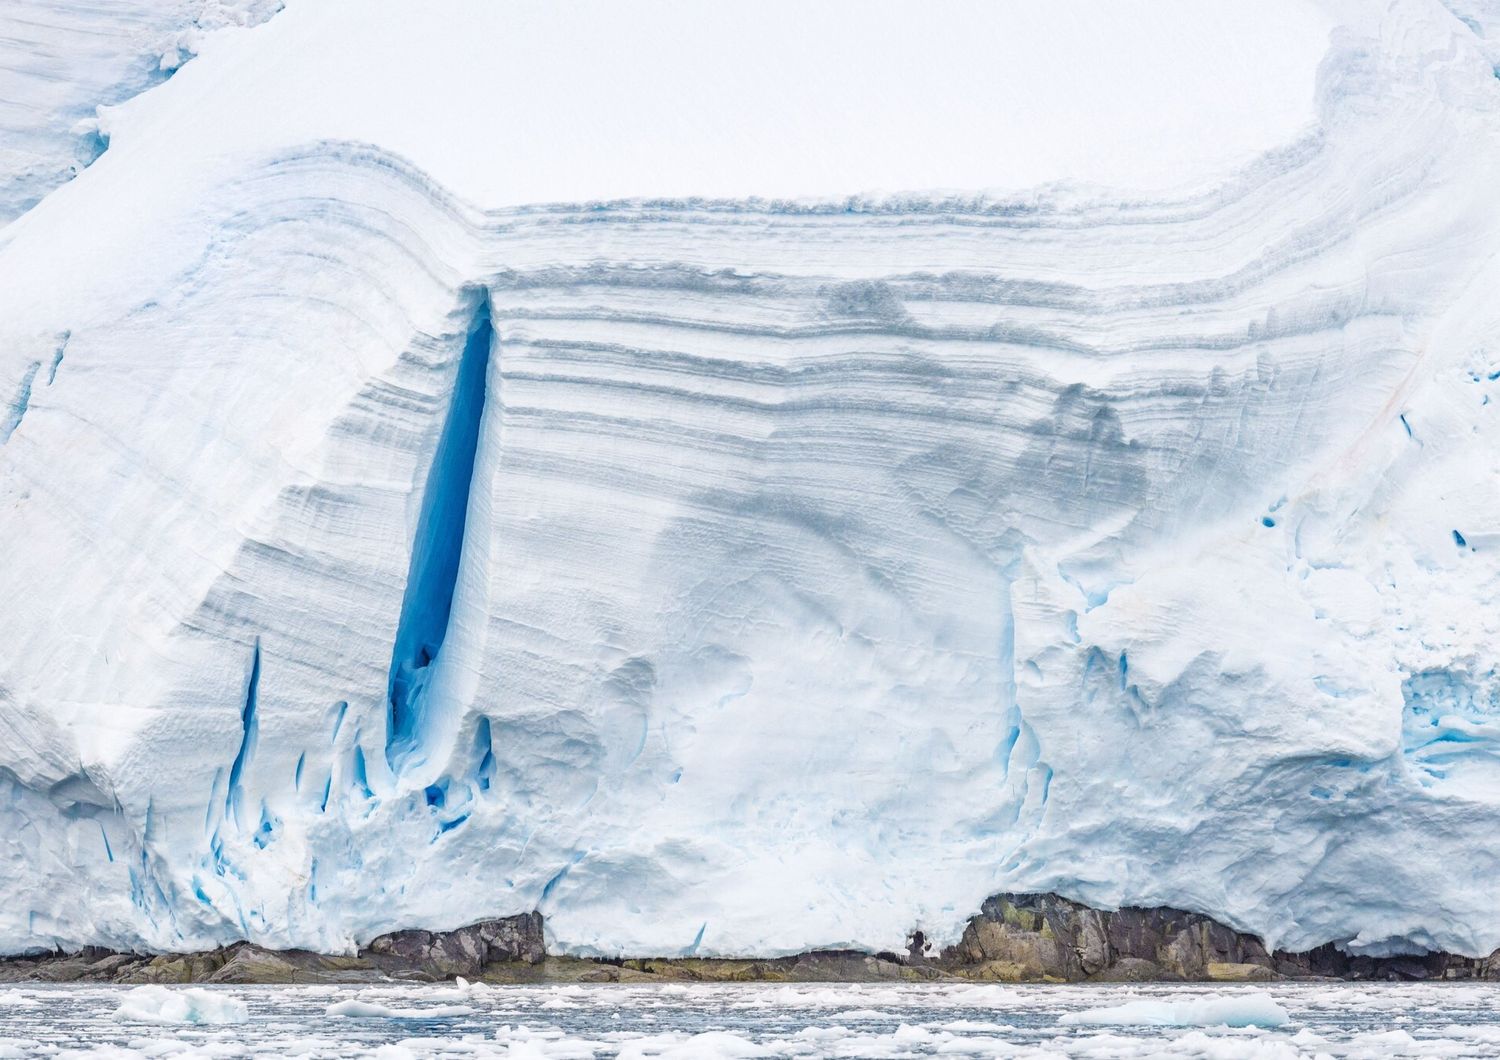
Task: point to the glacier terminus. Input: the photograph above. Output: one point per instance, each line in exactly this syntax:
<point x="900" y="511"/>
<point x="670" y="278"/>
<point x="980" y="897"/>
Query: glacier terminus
<point x="748" y="479"/>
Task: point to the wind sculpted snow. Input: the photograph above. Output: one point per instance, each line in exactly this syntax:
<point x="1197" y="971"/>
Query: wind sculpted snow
<point x="743" y="576"/>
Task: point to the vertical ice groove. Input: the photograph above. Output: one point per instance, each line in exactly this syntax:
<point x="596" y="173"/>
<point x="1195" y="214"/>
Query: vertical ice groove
<point x="11" y="415"/>
<point x="249" y="734"/>
<point x="57" y="356"/>
<point x="437" y="548"/>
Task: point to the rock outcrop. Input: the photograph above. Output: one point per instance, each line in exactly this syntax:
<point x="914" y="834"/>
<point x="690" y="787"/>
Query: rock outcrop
<point x="1018" y="938"/>
<point x="414" y="954"/>
<point x="1048" y="938"/>
<point x="1045" y="937"/>
<point x="466" y="951"/>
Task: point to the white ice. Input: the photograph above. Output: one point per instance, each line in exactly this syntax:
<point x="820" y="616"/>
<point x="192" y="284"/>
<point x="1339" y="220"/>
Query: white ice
<point x="1236" y="1010"/>
<point x="357" y="1008"/>
<point x="1005" y="447"/>
<point x="160" y="1004"/>
<point x="65" y="64"/>
<point x="1362" y="1022"/>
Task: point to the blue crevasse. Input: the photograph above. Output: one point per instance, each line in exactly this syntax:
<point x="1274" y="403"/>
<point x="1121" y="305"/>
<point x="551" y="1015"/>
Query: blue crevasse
<point x="437" y="548"/>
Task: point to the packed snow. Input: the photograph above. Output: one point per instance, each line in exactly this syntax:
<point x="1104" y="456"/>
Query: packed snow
<point x="742" y="479"/>
<point x="160" y="1004"/>
<point x="64" y="65"/>
<point x="1369" y="1022"/>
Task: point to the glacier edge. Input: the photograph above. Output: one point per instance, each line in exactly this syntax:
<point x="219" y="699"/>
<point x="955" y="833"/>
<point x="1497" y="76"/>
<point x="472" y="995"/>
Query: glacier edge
<point x="824" y="570"/>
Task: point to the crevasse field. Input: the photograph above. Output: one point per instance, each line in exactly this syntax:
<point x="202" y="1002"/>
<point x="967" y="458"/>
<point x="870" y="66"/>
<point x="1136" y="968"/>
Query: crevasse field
<point x="742" y="479"/>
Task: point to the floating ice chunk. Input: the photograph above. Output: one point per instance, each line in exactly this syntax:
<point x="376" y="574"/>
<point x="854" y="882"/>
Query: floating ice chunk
<point x="862" y="1014"/>
<point x="1257" y="1009"/>
<point x="983" y="995"/>
<point x="521" y="1034"/>
<point x="158" y="1004"/>
<point x="357" y="1009"/>
<point x="709" y="1043"/>
<point x="975" y="1027"/>
<point x="1221" y="1047"/>
<point x="831" y="1032"/>
<point x="461" y="990"/>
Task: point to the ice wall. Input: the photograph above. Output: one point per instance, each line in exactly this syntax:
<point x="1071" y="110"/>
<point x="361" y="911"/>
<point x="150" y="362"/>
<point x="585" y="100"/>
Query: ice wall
<point x="740" y="576"/>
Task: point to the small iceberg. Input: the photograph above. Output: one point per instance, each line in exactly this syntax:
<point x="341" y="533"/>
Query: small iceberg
<point x="724" y="1044"/>
<point x="461" y="990"/>
<point x="1257" y="1009"/>
<point x="193" y="1005"/>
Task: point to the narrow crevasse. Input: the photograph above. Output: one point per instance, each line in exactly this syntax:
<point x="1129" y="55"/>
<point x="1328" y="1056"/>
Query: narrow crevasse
<point x="437" y="549"/>
<point x="12" y="414"/>
<point x="250" y="734"/>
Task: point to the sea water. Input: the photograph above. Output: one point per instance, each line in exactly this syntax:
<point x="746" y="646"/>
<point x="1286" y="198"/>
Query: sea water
<point x="754" y="1020"/>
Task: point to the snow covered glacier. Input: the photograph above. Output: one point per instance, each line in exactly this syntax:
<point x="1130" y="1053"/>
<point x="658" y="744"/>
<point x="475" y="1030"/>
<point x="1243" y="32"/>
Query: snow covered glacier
<point x="461" y="460"/>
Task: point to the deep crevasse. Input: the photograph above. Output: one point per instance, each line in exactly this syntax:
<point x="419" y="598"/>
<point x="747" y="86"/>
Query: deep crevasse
<point x="427" y="604"/>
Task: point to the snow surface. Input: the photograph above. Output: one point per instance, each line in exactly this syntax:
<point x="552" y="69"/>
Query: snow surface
<point x="62" y="65"/>
<point x="776" y="562"/>
<point x="531" y="101"/>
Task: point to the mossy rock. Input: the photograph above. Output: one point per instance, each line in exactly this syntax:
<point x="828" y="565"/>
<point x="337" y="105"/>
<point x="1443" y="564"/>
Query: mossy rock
<point x="709" y="970"/>
<point x="251" y="964"/>
<point x="1130" y="970"/>
<point x="1239" y="973"/>
<point x="505" y="973"/>
<point x="1024" y="919"/>
<point x="163" y="969"/>
<point x="668" y="970"/>
<point x="999" y="972"/>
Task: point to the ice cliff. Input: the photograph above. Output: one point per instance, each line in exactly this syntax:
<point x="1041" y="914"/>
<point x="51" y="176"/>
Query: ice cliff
<point x="747" y="480"/>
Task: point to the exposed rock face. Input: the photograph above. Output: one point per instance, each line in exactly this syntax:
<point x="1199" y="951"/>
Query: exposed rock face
<point x="1015" y="938"/>
<point x="414" y="954"/>
<point x="239" y="963"/>
<point x="444" y="954"/>
<point x="1020" y="937"/>
<point x="1044" y="937"/>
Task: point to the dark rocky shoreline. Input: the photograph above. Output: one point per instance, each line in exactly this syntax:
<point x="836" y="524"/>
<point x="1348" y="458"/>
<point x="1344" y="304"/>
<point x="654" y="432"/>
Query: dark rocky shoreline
<point x="1044" y="937"/>
<point x="1016" y="938"/>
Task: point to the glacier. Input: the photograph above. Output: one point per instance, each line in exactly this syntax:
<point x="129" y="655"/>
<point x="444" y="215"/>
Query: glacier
<point x="742" y="481"/>
<point x="66" y="65"/>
